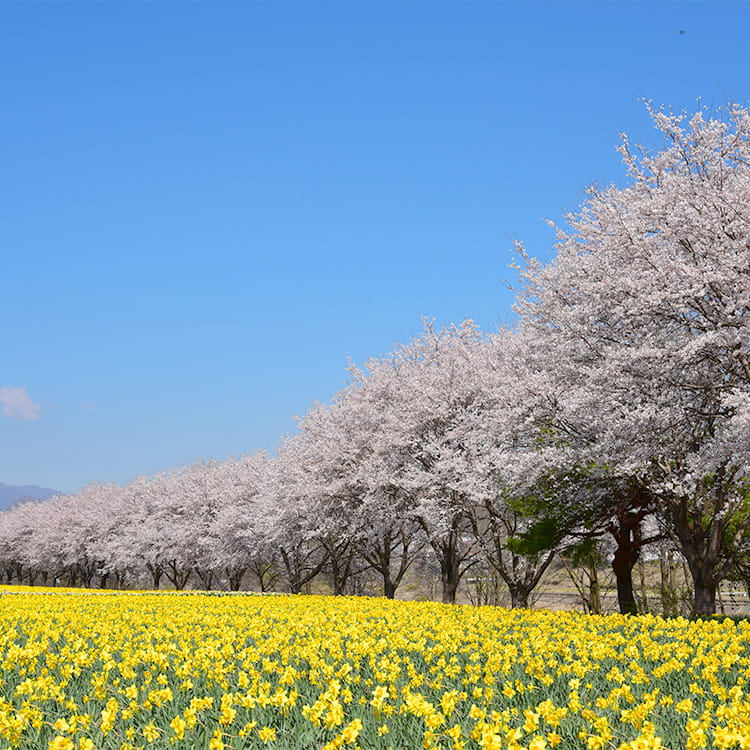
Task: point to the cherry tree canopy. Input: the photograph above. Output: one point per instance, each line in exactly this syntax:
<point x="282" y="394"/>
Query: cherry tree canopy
<point x="645" y="313"/>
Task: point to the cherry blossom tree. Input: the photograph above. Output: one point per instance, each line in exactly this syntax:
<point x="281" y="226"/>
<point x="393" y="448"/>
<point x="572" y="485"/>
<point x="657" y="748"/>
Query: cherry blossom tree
<point x="585" y="504"/>
<point x="85" y="522"/>
<point x="420" y="458"/>
<point x="24" y="551"/>
<point x="204" y="492"/>
<point x="288" y="525"/>
<point x="359" y="516"/>
<point x="645" y="312"/>
<point x="145" y="538"/>
<point x="330" y="448"/>
<point x="240" y="542"/>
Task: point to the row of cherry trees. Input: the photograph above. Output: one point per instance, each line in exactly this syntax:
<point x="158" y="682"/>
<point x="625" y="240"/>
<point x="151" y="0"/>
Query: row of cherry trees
<point x="406" y="461"/>
<point x="620" y="402"/>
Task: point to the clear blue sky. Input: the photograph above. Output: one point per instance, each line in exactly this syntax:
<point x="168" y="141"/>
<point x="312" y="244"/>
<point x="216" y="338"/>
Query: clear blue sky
<point x="206" y="208"/>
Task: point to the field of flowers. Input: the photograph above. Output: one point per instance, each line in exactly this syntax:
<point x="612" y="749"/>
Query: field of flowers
<point x="123" y="670"/>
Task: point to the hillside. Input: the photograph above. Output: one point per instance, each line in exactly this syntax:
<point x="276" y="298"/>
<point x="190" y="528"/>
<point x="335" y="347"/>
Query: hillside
<point x="10" y="494"/>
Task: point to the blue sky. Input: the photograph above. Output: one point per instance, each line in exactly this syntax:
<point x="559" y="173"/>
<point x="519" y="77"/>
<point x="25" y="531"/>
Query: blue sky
<point x="207" y="208"/>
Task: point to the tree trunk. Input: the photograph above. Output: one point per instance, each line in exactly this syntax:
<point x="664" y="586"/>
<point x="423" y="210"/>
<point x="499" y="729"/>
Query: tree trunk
<point x="177" y="575"/>
<point x="450" y="586"/>
<point x="206" y="577"/>
<point x="340" y="571"/>
<point x="449" y="568"/>
<point x="595" y="592"/>
<point x="450" y="558"/>
<point x="626" y="531"/>
<point x="340" y="555"/>
<point x="86" y="576"/>
<point x="235" y="578"/>
<point x="705" y="599"/>
<point x="644" y="590"/>
<point x="293" y="576"/>
<point x="299" y="570"/>
<point x="265" y="571"/>
<point x="705" y="585"/>
<point x="379" y="551"/>
<point x="389" y="587"/>
<point x="700" y="523"/>
<point x="380" y="560"/>
<point x="622" y="566"/>
<point x="702" y="560"/>
<point x="668" y="592"/>
<point x="519" y="597"/>
<point x="720" y="600"/>
<point x="156" y="572"/>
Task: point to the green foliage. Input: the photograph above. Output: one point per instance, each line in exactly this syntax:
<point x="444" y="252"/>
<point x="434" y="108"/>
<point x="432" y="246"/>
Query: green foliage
<point x="583" y="553"/>
<point x="542" y="535"/>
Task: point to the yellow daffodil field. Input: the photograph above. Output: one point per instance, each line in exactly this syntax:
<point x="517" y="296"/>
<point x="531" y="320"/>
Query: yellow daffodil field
<point x="119" y="671"/>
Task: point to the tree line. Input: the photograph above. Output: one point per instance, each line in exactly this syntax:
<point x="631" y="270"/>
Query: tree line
<point x="617" y="408"/>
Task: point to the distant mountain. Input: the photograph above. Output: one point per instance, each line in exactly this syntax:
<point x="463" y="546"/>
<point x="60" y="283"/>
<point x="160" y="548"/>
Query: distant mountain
<point x="10" y="494"/>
